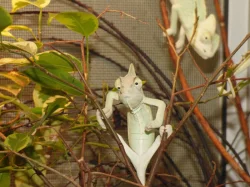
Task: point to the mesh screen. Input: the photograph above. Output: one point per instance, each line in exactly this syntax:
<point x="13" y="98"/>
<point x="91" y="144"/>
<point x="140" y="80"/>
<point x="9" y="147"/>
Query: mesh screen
<point x="109" y="57"/>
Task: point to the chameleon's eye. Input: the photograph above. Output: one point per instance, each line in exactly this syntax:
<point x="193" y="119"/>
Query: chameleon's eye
<point x="138" y="82"/>
<point x="118" y="84"/>
<point x="206" y="38"/>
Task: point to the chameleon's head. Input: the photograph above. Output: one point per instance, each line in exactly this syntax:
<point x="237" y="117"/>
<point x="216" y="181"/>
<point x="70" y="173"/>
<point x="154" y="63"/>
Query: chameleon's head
<point x="206" y="41"/>
<point x="130" y="89"/>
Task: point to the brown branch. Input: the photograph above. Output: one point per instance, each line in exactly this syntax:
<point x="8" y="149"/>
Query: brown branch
<point x="2" y="136"/>
<point x="91" y="95"/>
<point x="213" y="174"/>
<point x="194" y="109"/>
<point x="82" y="161"/>
<point x="111" y="172"/>
<point x="16" y="118"/>
<point x="115" y="177"/>
<point x="234" y="182"/>
<point x="45" y="167"/>
<point x="240" y="112"/>
<point x="122" y="13"/>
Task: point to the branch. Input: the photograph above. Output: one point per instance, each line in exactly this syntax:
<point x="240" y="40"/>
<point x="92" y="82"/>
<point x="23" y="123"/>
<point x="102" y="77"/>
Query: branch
<point x="115" y="177"/>
<point x="204" y="123"/>
<point x="122" y="13"/>
<point x="46" y="167"/>
<point x="241" y="115"/>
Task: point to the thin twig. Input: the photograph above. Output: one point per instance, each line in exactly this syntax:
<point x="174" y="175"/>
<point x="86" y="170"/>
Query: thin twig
<point x="234" y="182"/>
<point x="122" y="13"/>
<point x="197" y="112"/>
<point x="111" y="172"/>
<point x="240" y="112"/>
<point x="46" y="167"/>
<point x="115" y="177"/>
<point x="212" y="175"/>
<point x="91" y="95"/>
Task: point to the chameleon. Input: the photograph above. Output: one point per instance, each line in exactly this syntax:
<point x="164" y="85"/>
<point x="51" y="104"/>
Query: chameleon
<point x="205" y="41"/>
<point x="142" y="143"/>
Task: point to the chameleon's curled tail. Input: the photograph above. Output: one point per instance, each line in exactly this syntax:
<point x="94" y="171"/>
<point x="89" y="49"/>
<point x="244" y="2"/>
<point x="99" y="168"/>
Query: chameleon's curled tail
<point x="140" y="162"/>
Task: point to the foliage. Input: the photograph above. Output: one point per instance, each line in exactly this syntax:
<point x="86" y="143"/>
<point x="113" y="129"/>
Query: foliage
<point x="33" y="131"/>
<point x="56" y="84"/>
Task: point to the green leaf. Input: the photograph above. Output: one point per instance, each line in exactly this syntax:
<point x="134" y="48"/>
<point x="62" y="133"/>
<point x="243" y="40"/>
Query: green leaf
<point x="41" y="94"/>
<point x="55" y="60"/>
<point x="19" y="80"/>
<point x="56" y="145"/>
<point x="101" y="145"/>
<point x="17" y="141"/>
<point x="83" y="126"/>
<point x="54" y="104"/>
<point x="5" y="179"/>
<point x="29" y="178"/>
<point x="11" y="88"/>
<point x="37" y="110"/>
<point x="48" y="59"/>
<point x="23" y="46"/>
<point x="47" y="81"/>
<point x="16" y="77"/>
<point x="81" y="22"/>
<point x="27" y="46"/>
<point x="51" y="17"/>
<point x="5" y="18"/>
<point x="6" y="31"/>
<point x="18" y="4"/>
<point x="22" y="106"/>
<point x="244" y="64"/>
<point x="13" y="61"/>
<point x="242" y="84"/>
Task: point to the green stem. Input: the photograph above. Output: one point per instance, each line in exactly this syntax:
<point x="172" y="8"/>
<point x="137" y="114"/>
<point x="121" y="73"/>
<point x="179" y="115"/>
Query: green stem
<point x="46" y="167"/>
<point x="24" y="107"/>
<point x="40" y="25"/>
<point x="87" y="54"/>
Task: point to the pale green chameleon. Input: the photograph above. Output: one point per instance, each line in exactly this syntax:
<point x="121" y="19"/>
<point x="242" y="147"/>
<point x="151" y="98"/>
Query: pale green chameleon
<point x="140" y="122"/>
<point x="205" y="41"/>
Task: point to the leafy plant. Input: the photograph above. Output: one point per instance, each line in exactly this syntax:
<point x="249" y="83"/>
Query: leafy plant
<point x="33" y="131"/>
<point x="54" y="75"/>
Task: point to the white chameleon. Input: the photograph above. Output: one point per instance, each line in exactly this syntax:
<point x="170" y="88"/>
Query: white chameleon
<point x="141" y="137"/>
<point x="205" y="41"/>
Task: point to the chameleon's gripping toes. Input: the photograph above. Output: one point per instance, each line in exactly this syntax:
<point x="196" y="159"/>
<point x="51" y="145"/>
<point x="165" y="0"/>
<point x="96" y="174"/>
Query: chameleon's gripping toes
<point x="141" y="138"/>
<point x="205" y="41"/>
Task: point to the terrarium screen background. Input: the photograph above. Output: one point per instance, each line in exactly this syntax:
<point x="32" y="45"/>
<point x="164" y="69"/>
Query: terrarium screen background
<point x="110" y="55"/>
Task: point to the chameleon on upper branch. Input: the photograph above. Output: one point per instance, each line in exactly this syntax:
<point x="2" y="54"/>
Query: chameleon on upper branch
<point x="205" y="41"/>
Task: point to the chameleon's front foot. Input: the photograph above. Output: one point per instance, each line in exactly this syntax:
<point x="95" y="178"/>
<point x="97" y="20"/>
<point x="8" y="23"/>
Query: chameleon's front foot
<point x="99" y="117"/>
<point x="168" y="32"/>
<point x="168" y="129"/>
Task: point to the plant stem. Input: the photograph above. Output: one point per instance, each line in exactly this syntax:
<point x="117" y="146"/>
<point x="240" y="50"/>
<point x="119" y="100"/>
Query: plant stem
<point x="121" y="179"/>
<point x="91" y="95"/>
<point x="240" y="112"/>
<point x="195" y="109"/>
<point x="87" y="55"/>
<point x="46" y="167"/>
<point x="40" y="25"/>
